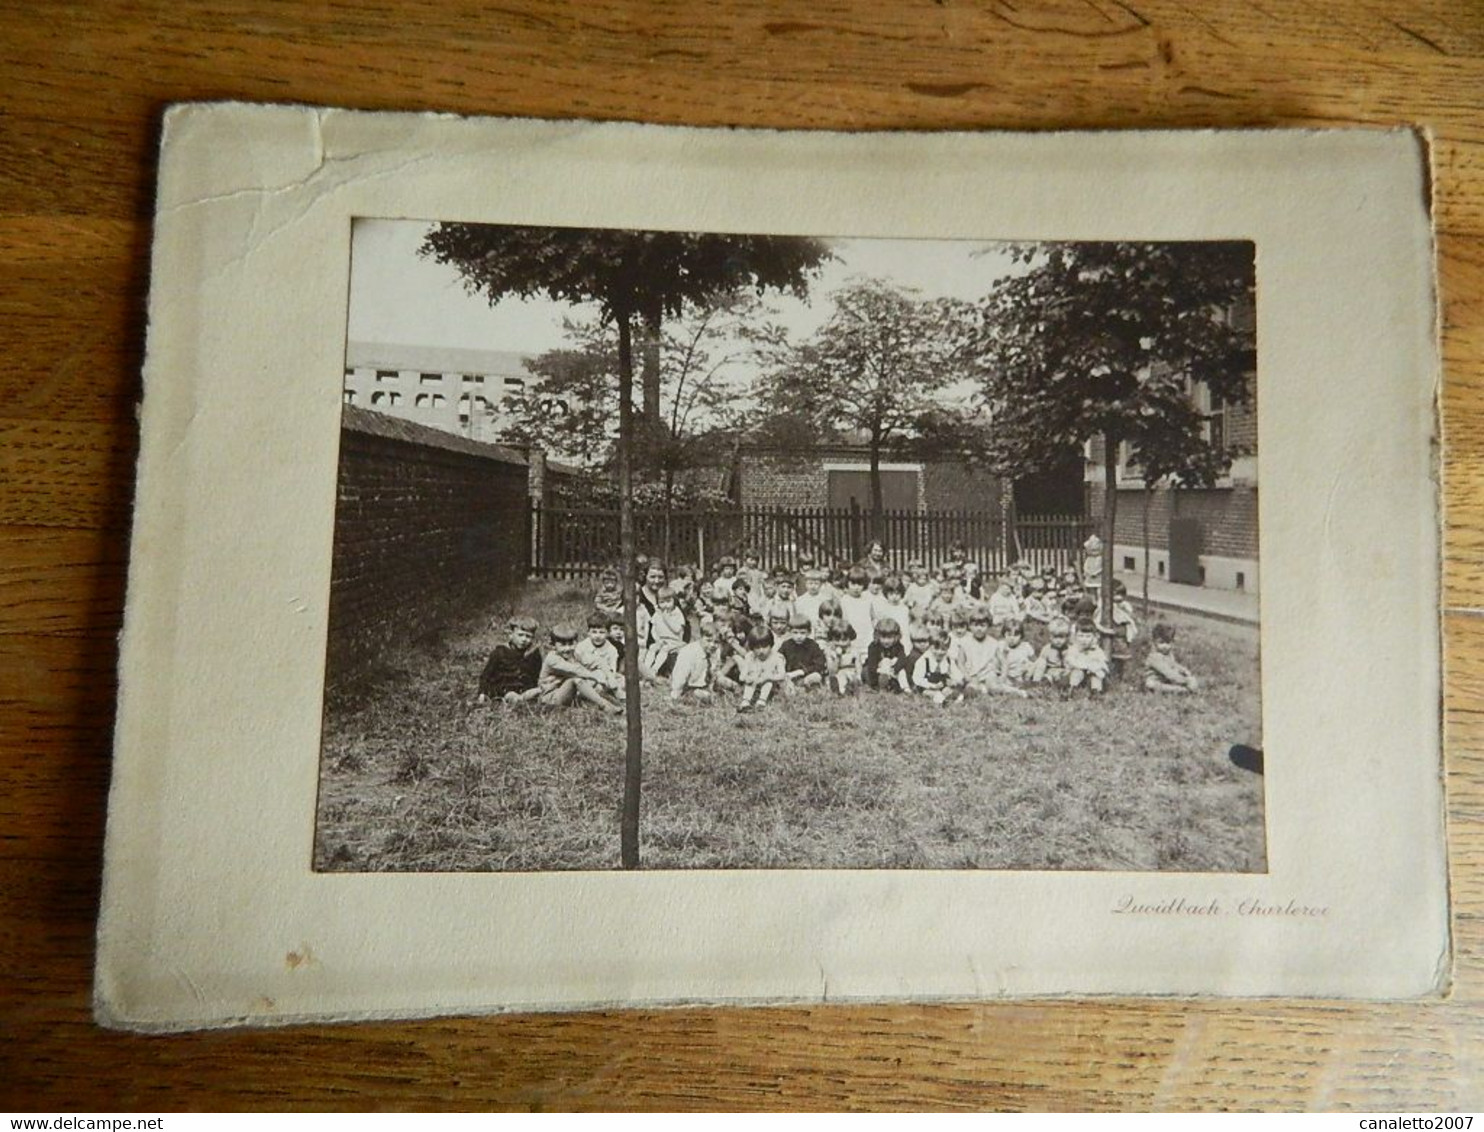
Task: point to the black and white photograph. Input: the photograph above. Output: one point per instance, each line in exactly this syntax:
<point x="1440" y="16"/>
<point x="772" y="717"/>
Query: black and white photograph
<point x="704" y="550"/>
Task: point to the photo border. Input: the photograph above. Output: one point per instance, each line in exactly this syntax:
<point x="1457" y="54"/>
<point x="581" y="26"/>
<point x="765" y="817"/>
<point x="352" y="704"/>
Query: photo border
<point x="211" y="914"/>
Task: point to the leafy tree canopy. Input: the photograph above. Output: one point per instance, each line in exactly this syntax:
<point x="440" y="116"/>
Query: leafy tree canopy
<point x="625" y="272"/>
<point x="1105" y="339"/>
<point x="880" y="363"/>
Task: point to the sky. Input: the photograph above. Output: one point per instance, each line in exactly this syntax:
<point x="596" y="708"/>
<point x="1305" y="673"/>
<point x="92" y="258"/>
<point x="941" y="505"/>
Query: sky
<point x="398" y="297"/>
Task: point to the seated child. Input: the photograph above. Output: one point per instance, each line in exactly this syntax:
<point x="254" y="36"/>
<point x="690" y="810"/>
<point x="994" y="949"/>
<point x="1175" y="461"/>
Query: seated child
<point x="759" y="670"/>
<point x="779" y="617"/>
<point x="726" y="576"/>
<point x="616" y="637"/>
<point x="936" y="675"/>
<point x="751" y="572"/>
<point x="1162" y="672"/>
<point x="694" y="674"/>
<point x="762" y="595"/>
<point x="564" y="682"/>
<point x="1119" y="632"/>
<point x="920" y="591"/>
<point x="1003" y="604"/>
<point x="893" y="602"/>
<point x="885" y="668"/>
<point x="958" y="626"/>
<point x="687" y="592"/>
<point x="1017" y="655"/>
<point x="804" y="662"/>
<point x="859" y="609"/>
<point x="609" y="595"/>
<point x="978" y="658"/>
<point x="513" y="671"/>
<point x="803" y="564"/>
<point x="968" y="571"/>
<point x="783" y="588"/>
<point x="837" y="637"/>
<point x="596" y="651"/>
<point x="741" y="600"/>
<point x="808" y="602"/>
<point x="1087" y="663"/>
<point x="667" y="632"/>
<point x="1034" y="607"/>
<point x="1051" y="664"/>
<point x="920" y="635"/>
<point x="731" y="642"/>
<point x="949" y="599"/>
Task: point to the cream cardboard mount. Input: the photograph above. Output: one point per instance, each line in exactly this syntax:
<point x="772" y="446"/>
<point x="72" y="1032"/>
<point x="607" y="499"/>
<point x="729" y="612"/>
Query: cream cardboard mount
<point x="211" y="913"/>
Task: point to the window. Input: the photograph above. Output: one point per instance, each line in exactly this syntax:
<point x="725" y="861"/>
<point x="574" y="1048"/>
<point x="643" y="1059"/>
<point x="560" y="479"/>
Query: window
<point x="430" y="379"/>
<point x="473" y="379"/>
<point x="482" y="405"/>
<point x="423" y="401"/>
<point x="1161" y="569"/>
<point x="1128" y="563"/>
<point x="386" y="375"/>
<point x="1216" y="425"/>
<point x="438" y="400"/>
<point x="349" y="396"/>
<point x="377" y="398"/>
<point x="1241" y="580"/>
<point x="515" y="386"/>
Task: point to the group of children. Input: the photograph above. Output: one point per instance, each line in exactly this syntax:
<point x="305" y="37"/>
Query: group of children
<point x="946" y="635"/>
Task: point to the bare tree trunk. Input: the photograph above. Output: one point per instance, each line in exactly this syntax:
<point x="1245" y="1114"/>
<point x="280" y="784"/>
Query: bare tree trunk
<point x="878" y="500"/>
<point x="634" y="737"/>
<point x="1110" y="508"/>
<point x="649" y="368"/>
<point x="669" y="513"/>
<point x="1148" y="504"/>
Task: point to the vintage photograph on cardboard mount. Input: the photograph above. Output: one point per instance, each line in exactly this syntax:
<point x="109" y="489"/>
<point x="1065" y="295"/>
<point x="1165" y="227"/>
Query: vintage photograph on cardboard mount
<point x="946" y="554"/>
<point x="313" y="815"/>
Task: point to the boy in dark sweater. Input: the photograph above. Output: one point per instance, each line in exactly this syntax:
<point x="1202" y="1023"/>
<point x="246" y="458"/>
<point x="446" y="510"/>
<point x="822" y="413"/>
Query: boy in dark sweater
<point x="886" y="660"/>
<point x="803" y="660"/>
<point x="513" y="670"/>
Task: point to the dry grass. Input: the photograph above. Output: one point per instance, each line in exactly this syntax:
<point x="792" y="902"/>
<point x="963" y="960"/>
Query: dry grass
<point x="416" y="778"/>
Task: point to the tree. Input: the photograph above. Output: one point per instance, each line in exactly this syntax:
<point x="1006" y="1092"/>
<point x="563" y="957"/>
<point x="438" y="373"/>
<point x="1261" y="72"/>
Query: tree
<point x="630" y="275"/>
<point x="1103" y="341"/>
<point x="572" y="413"/>
<point x="700" y="394"/>
<point x="878" y="365"/>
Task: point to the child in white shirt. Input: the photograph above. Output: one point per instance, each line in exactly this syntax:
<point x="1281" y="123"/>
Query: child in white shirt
<point x="1162" y="672"/>
<point x="859" y="609"/>
<point x="936" y="675"/>
<point x="1087" y="663"/>
<point x="978" y="658"/>
<point x="1017" y="655"/>
<point x="667" y="633"/>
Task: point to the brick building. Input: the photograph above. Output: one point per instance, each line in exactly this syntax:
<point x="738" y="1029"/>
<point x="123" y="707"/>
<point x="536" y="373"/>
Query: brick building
<point x="1199" y="536"/>
<point x="838" y="476"/>
<point x="466" y="392"/>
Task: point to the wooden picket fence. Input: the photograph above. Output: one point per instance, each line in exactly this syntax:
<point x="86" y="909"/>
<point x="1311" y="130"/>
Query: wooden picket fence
<point x="575" y="542"/>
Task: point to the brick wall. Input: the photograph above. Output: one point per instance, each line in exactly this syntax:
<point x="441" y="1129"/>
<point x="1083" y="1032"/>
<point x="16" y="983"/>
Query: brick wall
<point x="772" y="479"/>
<point x="1228" y="517"/>
<point x="429" y="528"/>
<point x="785" y="479"/>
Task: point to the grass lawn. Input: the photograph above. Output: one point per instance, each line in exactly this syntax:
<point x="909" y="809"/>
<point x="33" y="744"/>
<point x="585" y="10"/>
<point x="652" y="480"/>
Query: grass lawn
<point x="415" y="777"/>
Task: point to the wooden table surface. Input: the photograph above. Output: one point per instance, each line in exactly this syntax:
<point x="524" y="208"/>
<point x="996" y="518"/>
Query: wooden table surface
<point x="82" y="88"/>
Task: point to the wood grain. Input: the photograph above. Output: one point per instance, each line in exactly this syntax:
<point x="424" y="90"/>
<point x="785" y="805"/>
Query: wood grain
<point x="84" y="85"/>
